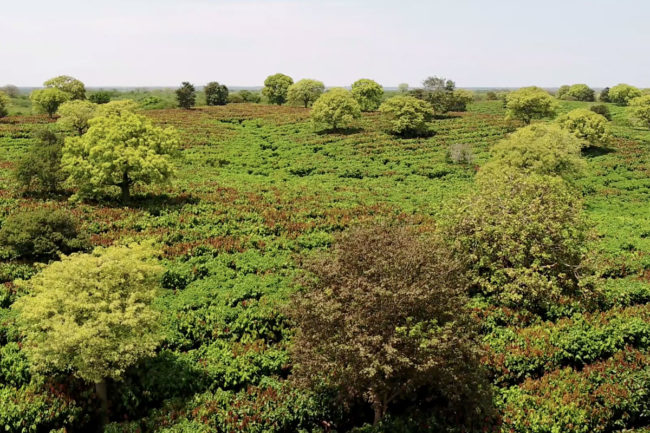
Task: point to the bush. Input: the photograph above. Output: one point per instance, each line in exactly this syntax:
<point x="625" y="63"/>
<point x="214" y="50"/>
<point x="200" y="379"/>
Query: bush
<point x="335" y="109"/>
<point x="216" y="94"/>
<point x="604" y="95"/>
<point x="640" y="110"/>
<point x="236" y="98"/>
<point x="491" y="96"/>
<point x="601" y="109"/>
<point x="589" y="127"/>
<point x="100" y="97"/>
<point x="622" y="94"/>
<point x="460" y="153"/>
<point x="249" y="96"/>
<point x="529" y="103"/>
<point x="186" y="95"/>
<point x="40" y="168"/>
<point x="406" y="115"/>
<point x="4" y="103"/>
<point x="576" y="92"/>
<point x="367" y="93"/>
<point x="368" y="320"/>
<point x="42" y="234"/>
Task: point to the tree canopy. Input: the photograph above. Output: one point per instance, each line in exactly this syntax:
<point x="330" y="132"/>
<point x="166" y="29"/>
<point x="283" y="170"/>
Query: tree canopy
<point x="76" y="114"/>
<point x="335" y="109"/>
<point x="576" y="92"/>
<point x="4" y="104"/>
<point x="48" y="100"/>
<point x="367" y="93"/>
<point x="305" y="92"/>
<point x="186" y="95"/>
<point x="589" y="127"/>
<point x="215" y="93"/>
<point x="75" y="88"/>
<point x="622" y="94"/>
<point x="640" y="110"/>
<point x="407" y="115"/>
<point x="276" y="88"/>
<point x="529" y="103"/>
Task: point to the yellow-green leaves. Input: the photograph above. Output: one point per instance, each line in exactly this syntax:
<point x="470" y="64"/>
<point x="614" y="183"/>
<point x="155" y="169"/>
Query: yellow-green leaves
<point x="622" y="94"/>
<point x="529" y="103"/>
<point x="91" y="313"/>
<point x="48" y="100"/>
<point x="305" y="92"/>
<point x="335" y="109"/>
<point x="70" y="85"/>
<point x="589" y="127"/>
<point x="367" y="93"/>
<point x="4" y="103"/>
<point x="640" y="110"/>
<point x="76" y="114"/>
<point x="276" y="88"/>
<point x="407" y="115"/>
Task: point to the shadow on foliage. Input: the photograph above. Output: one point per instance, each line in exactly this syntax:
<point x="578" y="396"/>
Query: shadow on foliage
<point x="340" y="131"/>
<point x="594" y="151"/>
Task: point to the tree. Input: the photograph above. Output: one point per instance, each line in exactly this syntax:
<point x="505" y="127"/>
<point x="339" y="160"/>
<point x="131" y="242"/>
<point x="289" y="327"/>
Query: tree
<point x="276" y="88"/>
<point x="119" y="150"/>
<point x="443" y="96"/>
<point x="335" y="109"/>
<point x="622" y="94"/>
<point x="4" y="103"/>
<point x="248" y="96"/>
<point x="75" y="88"/>
<point x="383" y="318"/>
<point x="91" y="315"/>
<point x="42" y="234"/>
<point x="604" y="95"/>
<point x="591" y="128"/>
<point x="542" y="149"/>
<point x="403" y="88"/>
<point x="529" y="103"/>
<point x="367" y="93"/>
<point x="10" y="90"/>
<point x="581" y="92"/>
<point x="562" y="92"/>
<point x="100" y="97"/>
<point x="40" y="168"/>
<point x="407" y="115"/>
<point x="640" y="110"/>
<point x="186" y="95"/>
<point x="117" y="108"/>
<point x="522" y="237"/>
<point x="48" y="100"/>
<point x="215" y="93"/>
<point x="76" y="114"/>
<point x="305" y="92"/>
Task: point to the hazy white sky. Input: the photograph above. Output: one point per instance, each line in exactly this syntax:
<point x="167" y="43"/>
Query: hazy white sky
<point x="240" y="42"/>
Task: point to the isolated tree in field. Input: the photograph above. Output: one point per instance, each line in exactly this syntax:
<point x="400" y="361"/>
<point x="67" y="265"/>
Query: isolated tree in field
<point x="589" y="127"/>
<point x="604" y="95"/>
<point x="622" y="94"/>
<point x="100" y="97"/>
<point x="276" y="88"/>
<point x="403" y="88"/>
<point x="215" y="93"/>
<point x="4" y="104"/>
<point x="562" y="92"/>
<point x="91" y="315"/>
<point x="406" y="115"/>
<point x="543" y="149"/>
<point x="640" y="110"/>
<point x="529" y="103"/>
<point x="119" y="151"/>
<point x="368" y="94"/>
<point x="305" y="92"/>
<point x="76" y="114"/>
<point x="48" y="100"/>
<point x="522" y="237"/>
<point x="581" y="92"/>
<point x="186" y="95"/>
<point x="383" y="317"/>
<point x="70" y="85"/>
<point x="335" y="109"/>
<point x="40" y="168"/>
<point x="10" y="90"/>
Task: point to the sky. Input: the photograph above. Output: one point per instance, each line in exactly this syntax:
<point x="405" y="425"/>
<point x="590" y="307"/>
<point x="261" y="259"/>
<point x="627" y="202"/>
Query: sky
<point x="477" y="43"/>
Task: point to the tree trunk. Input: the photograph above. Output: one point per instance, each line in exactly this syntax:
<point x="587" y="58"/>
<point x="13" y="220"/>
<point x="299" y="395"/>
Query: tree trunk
<point x="102" y="393"/>
<point x="378" y="412"/>
<point x="124" y="187"/>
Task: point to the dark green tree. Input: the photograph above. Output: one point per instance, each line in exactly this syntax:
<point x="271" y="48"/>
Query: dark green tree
<point x="186" y="95"/>
<point x="216" y="94"/>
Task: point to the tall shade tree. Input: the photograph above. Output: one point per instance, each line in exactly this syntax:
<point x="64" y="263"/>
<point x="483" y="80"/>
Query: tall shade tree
<point x="529" y="103"/>
<point x="76" y="114"/>
<point x="368" y="94"/>
<point x="640" y="110"/>
<point x="406" y="115"/>
<point x="91" y="314"/>
<point x="186" y="95"/>
<point x="383" y="318"/>
<point x="590" y="128"/>
<point x="75" y="88"/>
<point x="305" y="92"/>
<point x="622" y="94"/>
<point x="4" y="104"/>
<point x="215" y="93"/>
<point x="276" y="88"/>
<point x="335" y="109"/>
<point x="119" y="150"/>
<point x="48" y="100"/>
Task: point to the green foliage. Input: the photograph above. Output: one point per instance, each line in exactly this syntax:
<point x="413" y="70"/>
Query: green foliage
<point x="42" y="234"/>
<point x="4" y="103"/>
<point x="48" y="100"/>
<point x="186" y="95"/>
<point x="249" y="96"/>
<point x="69" y="85"/>
<point x="215" y="93"/>
<point x="383" y="318"/>
<point x="76" y="114"/>
<point x="589" y="127"/>
<point x="562" y="92"/>
<point x="368" y="94"/>
<point x="407" y="115"/>
<point x="117" y="108"/>
<point x="529" y="103"/>
<point x="403" y="88"/>
<point x="276" y="88"/>
<point x="522" y="237"/>
<point x="604" y="95"/>
<point x="91" y="313"/>
<point x="601" y="109"/>
<point x="40" y="169"/>
<point x="10" y="90"/>
<point x="622" y="94"/>
<point x="305" y="92"/>
<point x="335" y="109"/>
<point x="542" y="149"/>
<point x="640" y="110"/>
<point x="119" y="150"/>
<point x="576" y="92"/>
<point x="100" y="97"/>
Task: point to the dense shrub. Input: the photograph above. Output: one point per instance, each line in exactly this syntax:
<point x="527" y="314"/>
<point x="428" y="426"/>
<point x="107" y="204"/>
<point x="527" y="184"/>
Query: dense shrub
<point x="406" y="115"/>
<point x="249" y="96"/>
<point x="367" y="93"/>
<point x="622" y="94"/>
<point x="335" y="109"/>
<point x="604" y="95"/>
<point x="529" y="103"/>
<point x="589" y="127"/>
<point x="215" y="93"/>
<point x="40" y="168"/>
<point x="601" y="109"/>
<point x="100" y="97"/>
<point x="4" y="104"/>
<point x="368" y="319"/>
<point x="42" y="234"/>
<point x="186" y="95"/>
<point x="640" y="110"/>
<point x="576" y="92"/>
